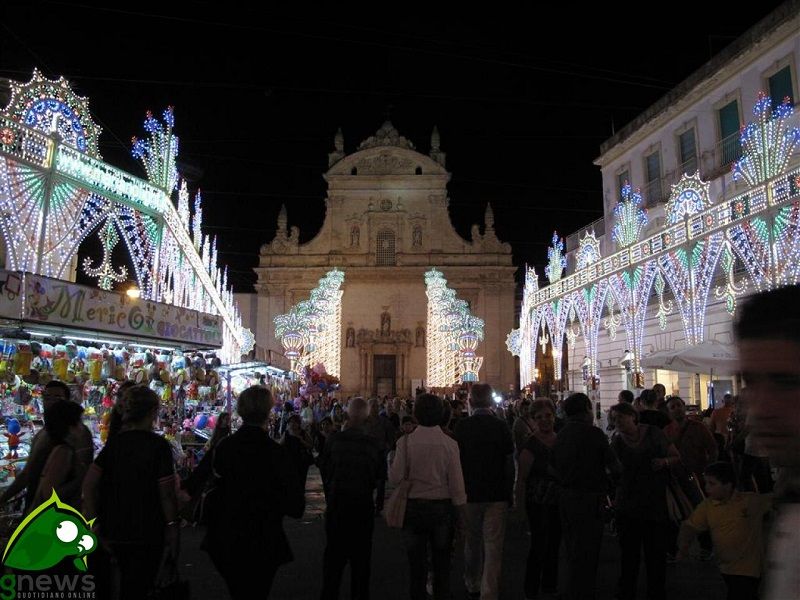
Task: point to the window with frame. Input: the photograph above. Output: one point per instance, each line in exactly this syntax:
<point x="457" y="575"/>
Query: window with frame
<point x="780" y="86"/>
<point x="385" y="251"/>
<point x="687" y="152"/>
<point x="652" y="167"/>
<point x="622" y="179"/>
<point x="730" y="145"/>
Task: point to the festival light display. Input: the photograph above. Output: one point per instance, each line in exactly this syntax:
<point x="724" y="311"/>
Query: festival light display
<point x="453" y="335"/>
<point x="55" y="191"/>
<point x="105" y="273"/>
<point x="557" y="261"/>
<point x="631" y="218"/>
<point x="311" y="332"/>
<point x="700" y="245"/>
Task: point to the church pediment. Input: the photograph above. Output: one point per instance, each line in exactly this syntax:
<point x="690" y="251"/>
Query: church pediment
<point x="386" y="161"/>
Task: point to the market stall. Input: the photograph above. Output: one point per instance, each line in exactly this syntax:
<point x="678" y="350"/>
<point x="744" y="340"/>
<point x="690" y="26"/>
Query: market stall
<point x="92" y="340"/>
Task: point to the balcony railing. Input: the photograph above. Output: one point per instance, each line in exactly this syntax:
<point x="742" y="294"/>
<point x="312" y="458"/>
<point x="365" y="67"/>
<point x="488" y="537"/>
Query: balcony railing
<point x="598" y="226"/>
<point x="653" y="193"/>
<point x="728" y="150"/>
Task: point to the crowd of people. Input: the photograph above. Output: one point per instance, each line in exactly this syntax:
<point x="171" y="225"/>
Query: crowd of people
<point x="663" y="481"/>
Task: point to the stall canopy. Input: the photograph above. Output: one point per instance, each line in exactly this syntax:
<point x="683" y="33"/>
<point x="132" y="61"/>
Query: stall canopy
<point x="708" y="356"/>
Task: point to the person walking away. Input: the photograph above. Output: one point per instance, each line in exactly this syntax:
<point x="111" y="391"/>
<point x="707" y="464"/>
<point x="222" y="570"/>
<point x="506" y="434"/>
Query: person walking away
<point x="201" y="476"/>
<point x="436" y="499"/>
<point x="736" y="522"/>
<point x="524" y="426"/>
<point x="257" y="487"/>
<point x="63" y="472"/>
<point x="131" y="490"/>
<point x="768" y="339"/>
<point x="536" y="491"/>
<point x="351" y="464"/>
<point x="580" y="458"/>
<point x="486" y="451"/>
<point x="385" y="435"/>
<point x="641" y="505"/>
<point x="299" y="446"/>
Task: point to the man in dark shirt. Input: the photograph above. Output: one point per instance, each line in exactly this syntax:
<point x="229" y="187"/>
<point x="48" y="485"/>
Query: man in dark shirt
<point x="580" y="458"/>
<point x="350" y="468"/>
<point x="650" y="415"/>
<point x="486" y="449"/>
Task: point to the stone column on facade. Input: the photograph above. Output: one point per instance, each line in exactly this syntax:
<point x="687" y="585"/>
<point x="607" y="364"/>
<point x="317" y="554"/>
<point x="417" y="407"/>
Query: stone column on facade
<point x="370" y="374"/>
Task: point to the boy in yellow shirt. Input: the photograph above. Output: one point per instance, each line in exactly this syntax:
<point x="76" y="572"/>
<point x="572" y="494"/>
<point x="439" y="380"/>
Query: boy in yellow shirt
<point x="736" y="522"/>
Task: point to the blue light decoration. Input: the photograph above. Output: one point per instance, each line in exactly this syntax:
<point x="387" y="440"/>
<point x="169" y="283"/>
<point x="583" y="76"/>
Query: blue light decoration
<point x="50" y="106"/>
<point x="588" y="251"/>
<point x="688" y="197"/>
<point x="159" y="151"/>
<point x="767" y="143"/>
<point x="557" y="260"/>
<point x="631" y="217"/>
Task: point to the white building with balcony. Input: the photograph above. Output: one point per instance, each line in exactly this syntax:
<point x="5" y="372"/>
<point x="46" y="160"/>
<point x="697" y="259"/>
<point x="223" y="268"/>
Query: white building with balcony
<point x="674" y="283"/>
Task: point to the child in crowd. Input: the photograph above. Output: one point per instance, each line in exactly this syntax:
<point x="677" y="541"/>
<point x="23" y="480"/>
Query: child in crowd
<point x="736" y="522"/>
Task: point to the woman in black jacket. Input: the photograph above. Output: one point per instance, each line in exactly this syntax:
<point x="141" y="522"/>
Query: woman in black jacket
<point x="256" y="487"/>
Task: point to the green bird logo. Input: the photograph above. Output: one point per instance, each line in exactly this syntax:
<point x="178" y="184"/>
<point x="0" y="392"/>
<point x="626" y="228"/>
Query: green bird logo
<point x="51" y="533"/>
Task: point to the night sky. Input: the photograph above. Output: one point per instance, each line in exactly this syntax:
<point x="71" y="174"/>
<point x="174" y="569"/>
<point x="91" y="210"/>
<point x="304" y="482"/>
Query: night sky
<point x="522" y="101"/>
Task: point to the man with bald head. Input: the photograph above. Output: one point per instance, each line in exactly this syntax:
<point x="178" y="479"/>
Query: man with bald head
<point x="350" y="467"/>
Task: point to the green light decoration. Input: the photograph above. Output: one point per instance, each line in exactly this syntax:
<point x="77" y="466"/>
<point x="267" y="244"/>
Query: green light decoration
<point x="631" y="218"/>
<point x="664" y="309"/>
<point x="768" y="143"/>
<point x="731" y="289"/>
<point x="105" y="273"/>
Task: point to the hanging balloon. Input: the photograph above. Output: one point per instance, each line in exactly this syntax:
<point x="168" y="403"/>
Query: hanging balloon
<point x="202" y="421"/>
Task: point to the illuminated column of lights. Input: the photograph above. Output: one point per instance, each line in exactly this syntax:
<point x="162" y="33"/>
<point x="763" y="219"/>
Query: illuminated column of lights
<point x="291" y="329"/>
<point x="469" y="335"/>
<point x="440" y="356"/>
<point x="105" y="273"/>
<point x="311" y="332"/>
<point x="324" y="339"/>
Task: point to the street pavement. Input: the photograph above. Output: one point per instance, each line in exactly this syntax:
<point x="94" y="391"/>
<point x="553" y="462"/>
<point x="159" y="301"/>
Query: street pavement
<point x="692" y="580"/>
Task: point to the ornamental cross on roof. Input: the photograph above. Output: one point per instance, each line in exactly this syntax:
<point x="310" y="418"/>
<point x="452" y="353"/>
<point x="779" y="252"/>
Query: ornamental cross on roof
<point x="387" y="135"/>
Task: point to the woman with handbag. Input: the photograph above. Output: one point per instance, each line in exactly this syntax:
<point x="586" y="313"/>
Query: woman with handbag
<point x="641" y="501"/>
<point x="427" y="468"/>
<point x="537" y="491"/>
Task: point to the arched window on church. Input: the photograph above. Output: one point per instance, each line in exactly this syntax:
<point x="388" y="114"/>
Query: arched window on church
<point x="418" y="171"/>
<point x="354" y="171"/>
<point x="384" y="253"/>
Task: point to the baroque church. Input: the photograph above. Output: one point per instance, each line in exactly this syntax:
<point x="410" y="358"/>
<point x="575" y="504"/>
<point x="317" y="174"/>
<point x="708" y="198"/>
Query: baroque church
<point x="386" y="224"/>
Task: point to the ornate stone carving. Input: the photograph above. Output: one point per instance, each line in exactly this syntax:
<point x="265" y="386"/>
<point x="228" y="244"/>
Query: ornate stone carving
<point x="387" y="135"/>
<point x="385" y="164"/>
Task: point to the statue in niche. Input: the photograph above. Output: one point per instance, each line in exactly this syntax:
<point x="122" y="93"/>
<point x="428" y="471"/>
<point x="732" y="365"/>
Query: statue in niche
<point x="420" y="337"/>
<point x="386" y="323"/>
<point x="416" y="237"/>
<point x="355" y="235"/>
<point x="350" y="338"/>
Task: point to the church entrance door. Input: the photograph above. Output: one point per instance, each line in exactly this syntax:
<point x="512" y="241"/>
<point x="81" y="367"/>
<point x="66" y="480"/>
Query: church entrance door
<point x="384" y="366"/>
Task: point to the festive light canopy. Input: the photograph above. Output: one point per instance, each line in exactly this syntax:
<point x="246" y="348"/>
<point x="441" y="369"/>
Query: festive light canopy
<point x="55" y="191"/>
<point x="700" y="245"/>
<point x="453" y="335"/>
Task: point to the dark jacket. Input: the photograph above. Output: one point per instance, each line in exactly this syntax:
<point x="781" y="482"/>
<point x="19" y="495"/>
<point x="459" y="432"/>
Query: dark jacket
<point x="258" y="487"/>
<point x="350" y="466"/>
<point x="581" y="456"/>
<point x="486" y="449"/>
